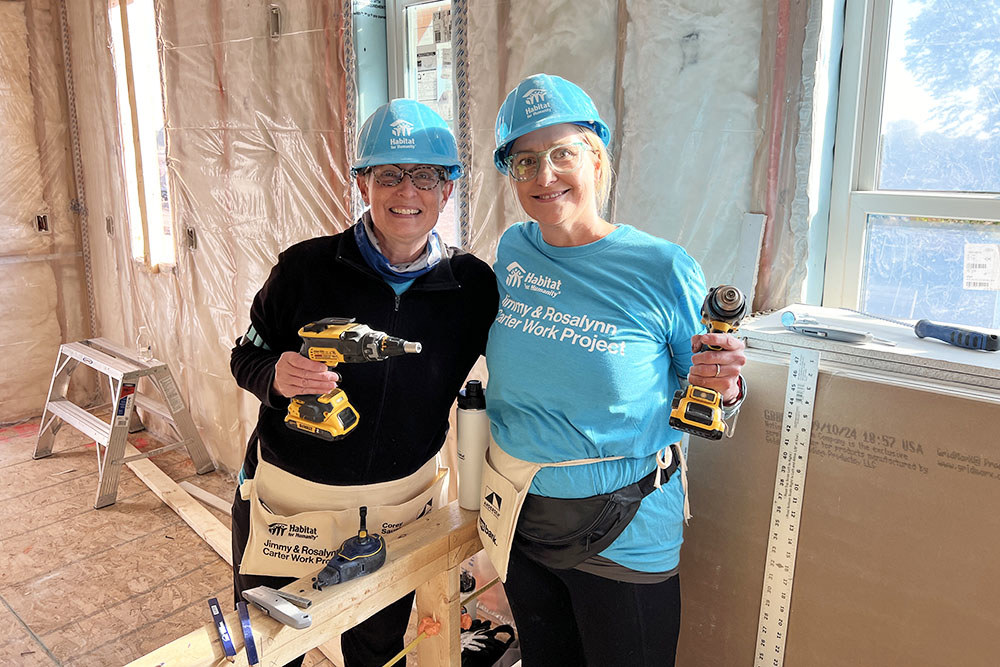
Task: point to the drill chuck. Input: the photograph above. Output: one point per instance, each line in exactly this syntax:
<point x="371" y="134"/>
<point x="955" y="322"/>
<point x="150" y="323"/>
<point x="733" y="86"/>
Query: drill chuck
<point x="724" y="303"/>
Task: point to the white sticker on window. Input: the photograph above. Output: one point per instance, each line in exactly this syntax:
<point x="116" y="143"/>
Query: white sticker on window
<point x="982" y="266"/>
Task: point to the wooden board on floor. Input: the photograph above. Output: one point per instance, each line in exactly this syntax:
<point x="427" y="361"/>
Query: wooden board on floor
<point x="207" y="498"/>
<point x="200" y="519"/>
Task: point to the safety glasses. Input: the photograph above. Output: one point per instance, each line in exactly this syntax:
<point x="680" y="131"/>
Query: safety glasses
<point x="564" y="158"/>
<point x="422" y="177"/>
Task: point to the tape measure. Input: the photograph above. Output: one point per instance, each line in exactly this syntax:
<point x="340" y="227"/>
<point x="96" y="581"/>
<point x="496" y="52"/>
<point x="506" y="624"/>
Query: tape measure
<point x="786" y="509"/>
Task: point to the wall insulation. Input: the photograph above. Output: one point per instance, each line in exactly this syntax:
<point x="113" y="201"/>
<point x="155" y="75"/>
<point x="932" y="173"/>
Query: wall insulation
<point x="509" y="40"/>
<point x="258" y="132"/>
<point x="688" y="113"/>
<point x="255" y="137"/>
<point x="42" y="297"/>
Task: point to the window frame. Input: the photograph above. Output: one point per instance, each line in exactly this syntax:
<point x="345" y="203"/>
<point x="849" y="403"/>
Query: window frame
<point x="854" y="194"/>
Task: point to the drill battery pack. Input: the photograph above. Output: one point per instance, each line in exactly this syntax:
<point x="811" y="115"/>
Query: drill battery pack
<point x="698" y="411"/>
<point x="330" y="416"/>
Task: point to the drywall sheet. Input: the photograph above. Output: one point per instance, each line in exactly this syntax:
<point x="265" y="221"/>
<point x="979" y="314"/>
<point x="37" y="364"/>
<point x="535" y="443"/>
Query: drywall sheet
<point x="255" y="136"/>
<point x="893" y="347"/>
<point x="900" y="524"/>
<point x="41" y="296"/>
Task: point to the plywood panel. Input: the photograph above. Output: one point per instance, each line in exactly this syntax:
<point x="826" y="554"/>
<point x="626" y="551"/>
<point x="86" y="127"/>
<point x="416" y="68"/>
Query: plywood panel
<point x="91" y="632"/>
<point x="56" y="545"/>
<point x="16" y="645"/>
<point x="96" y="587"/>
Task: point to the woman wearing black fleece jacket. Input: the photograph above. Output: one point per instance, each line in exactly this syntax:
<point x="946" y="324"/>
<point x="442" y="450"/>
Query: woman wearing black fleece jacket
<point x="390" y="272"/>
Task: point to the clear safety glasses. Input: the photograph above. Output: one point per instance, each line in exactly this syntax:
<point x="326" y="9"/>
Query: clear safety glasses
<point x="422" y="177"/>
<point x="564" y="158"/>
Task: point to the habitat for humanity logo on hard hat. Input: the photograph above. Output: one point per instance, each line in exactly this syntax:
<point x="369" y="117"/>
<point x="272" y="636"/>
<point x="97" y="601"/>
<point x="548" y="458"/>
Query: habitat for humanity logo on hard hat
<point x="401" y="134"/>
<point x="517" y="276"/>
<point x="536" y="102"/>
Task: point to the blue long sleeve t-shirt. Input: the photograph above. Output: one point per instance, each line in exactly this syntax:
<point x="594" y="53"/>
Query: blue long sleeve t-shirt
<point x="589" y="344"/>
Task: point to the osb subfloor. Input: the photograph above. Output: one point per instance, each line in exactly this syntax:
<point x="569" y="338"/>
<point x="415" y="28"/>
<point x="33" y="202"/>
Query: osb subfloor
<point x="80" y="586"/>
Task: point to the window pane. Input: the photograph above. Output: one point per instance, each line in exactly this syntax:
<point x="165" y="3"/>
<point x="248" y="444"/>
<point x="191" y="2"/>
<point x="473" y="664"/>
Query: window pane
<point x="941" y="109"/>
<point x="943" y="270"/>
<point x="429" y="75"/>
<point x="428" y="56"/>
<point x="152" y="140"/>
<point x="125" y="129"/>
<point x="152" y="136"/>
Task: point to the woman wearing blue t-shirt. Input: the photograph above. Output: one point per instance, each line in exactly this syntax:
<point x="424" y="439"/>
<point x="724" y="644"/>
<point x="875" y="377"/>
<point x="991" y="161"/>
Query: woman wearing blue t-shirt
<point x="598" y="326"/>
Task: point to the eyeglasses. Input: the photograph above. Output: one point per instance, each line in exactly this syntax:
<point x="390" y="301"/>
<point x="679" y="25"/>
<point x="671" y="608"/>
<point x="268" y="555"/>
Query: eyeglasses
<point x="423" y="178"/>
<point x="564" y="158"/>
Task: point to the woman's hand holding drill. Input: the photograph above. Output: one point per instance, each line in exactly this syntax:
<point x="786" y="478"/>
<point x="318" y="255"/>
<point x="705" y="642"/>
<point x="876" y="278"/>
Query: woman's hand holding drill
<point x="294" y="375"/>
<point x="717" y="369"/>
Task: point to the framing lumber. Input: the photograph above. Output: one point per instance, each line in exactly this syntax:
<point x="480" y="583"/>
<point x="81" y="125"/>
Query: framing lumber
<point x="425" y="556"/>
<point x="203" y="522"/>
<point x="208" y="498"/>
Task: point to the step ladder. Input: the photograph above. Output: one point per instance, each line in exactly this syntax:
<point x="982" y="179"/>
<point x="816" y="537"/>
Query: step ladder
<point x="123" y="371"/>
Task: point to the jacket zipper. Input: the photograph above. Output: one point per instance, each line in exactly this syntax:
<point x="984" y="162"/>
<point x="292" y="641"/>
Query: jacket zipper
<point x="377" y="433"/>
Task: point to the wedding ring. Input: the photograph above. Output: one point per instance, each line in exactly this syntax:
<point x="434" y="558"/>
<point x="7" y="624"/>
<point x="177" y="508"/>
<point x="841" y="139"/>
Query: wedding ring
<point x="718" y="369"/>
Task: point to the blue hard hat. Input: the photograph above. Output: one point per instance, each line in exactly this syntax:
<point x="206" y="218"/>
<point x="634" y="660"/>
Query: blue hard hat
<point x="539" y="101"/>
<point x="407" y="132"/>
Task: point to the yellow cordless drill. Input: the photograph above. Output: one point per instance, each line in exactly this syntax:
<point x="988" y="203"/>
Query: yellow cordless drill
<point x="333" y="341"/>
<point x="698" y="410"/>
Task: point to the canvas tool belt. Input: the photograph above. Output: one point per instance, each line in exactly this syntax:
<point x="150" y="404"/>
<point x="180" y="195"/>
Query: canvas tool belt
<point x="296" y="525"/>
<point x="580" y="528"/>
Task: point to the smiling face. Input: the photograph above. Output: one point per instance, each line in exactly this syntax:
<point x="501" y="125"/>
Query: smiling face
<point x="563" y="201"/>
<point x="403" y="214"/>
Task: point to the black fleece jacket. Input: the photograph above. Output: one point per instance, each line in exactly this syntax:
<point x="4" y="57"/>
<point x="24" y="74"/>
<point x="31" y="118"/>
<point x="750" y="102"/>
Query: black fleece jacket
<point x="403" y="402"/>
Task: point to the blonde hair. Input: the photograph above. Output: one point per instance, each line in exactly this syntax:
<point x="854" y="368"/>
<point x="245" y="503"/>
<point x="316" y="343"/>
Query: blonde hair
<point x="602" y="188"/>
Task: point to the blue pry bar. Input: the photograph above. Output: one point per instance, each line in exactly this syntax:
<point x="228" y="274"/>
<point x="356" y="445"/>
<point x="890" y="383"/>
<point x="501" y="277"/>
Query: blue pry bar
<point x="241" y="607"/>
<point x="220" y="626"/>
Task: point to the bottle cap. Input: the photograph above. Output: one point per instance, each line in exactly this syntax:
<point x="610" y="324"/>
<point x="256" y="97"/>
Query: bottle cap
<point x="472" y="397"/>
<point x="466" y="582"/>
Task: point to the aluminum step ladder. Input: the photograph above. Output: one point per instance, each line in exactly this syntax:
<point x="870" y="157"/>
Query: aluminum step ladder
<point x="123" y="371"/>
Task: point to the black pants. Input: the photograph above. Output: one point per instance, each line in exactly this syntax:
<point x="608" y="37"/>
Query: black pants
<point x="568" y="617"/>
<point x="372" y="643"/>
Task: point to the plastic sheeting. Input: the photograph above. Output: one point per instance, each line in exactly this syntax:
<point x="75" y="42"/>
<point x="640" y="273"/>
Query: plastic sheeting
<point x="689" y="129"/>
<point x="41" y="287"/>
<point x="510" y="40"/>
<point x="257" y="160"/>
<point x="255" y="134"/>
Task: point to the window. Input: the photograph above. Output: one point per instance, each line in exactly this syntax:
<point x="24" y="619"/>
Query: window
<point x="914" y="229"/>
<point x="141" y="128"/>
<point x="421" y="68"/>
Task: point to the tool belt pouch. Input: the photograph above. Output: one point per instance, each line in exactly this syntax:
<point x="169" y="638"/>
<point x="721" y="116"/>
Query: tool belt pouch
<point x="501" y="498"/>
<point x="561" y="533"/>
<point x="299" y="544"/>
